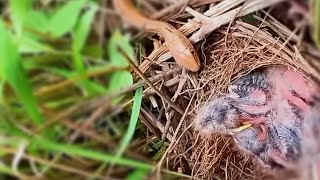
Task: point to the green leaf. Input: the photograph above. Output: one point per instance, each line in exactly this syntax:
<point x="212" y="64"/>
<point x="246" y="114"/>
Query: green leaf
<point x="1" y="90"/>
<point x="83" y="28"/>
<point x="133" y="122"/>
<point x="31" y="45"/>
<point x="138" y="174"/>
<point x="12" y="71"/>
<point x="118" y="40"/>
<point x="8" y="126"/>
<point x="94" y="88"/>
<point x="80" y="36"/>
<point x="19" y="10"/>
<point x="65" y="17"/>
<point x="6" y="170"/>
<point x="78" y="62"/>
<point x="120" y="79"/>
<point x="95" y="51"/>
<point x="37" y="20"/>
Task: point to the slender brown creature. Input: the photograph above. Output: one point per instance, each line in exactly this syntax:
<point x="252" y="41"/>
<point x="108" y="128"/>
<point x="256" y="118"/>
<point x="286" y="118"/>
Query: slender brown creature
<point x="179" y="46"/>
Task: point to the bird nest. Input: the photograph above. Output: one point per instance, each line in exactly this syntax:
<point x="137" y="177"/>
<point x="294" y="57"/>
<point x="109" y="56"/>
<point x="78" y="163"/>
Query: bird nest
<point x="230" y="54"/>
<point x="231" y="51"/>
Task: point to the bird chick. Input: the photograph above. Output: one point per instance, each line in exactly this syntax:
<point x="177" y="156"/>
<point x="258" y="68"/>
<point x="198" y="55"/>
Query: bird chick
<point x="244" y="103"/>
<point x="308" y="165"/>
<point x="217" y="116"/>
<point x="285" y="126"/>
<point x="285" y="96"/>
<point x="252" y="89"/>
<point x="248" y="141"/>
<point x="224" y="115"/>
<point x="286" y="145"/>
<point x="280" y="148"/>
<point x="251" y="93"/>
<point x="274" y="101"/>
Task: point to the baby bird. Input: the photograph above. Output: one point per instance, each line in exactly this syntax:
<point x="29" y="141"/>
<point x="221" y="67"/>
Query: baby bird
<point x="217" y="116"/>
<point x="274" y="101"/>
<point x="308" y="165"/>
<point x="251" y="89"/>
<point x="245" y="103"/>
<point x="280" y="148"/>
<point x="249" y="141"/>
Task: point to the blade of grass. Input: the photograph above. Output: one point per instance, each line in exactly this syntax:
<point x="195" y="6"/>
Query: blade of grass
<point x="131" y="129"/>
<point x="118" y="40"/>
<point x="37" y="20"/>
<point x="138" y="174"/>
<point x="1" y="90"/>
<point x="80" y="36"/>
<point x="14" y="73"/>
<point x="18" y="12"/>
<point x="31" y="45"/>
<point x="74" y="150"/>
<point x="119" y="79"/>
<point x="133" y="122"/>
<point x="7" y="170"/>
<point x="83" y="28"/>
<point x="65" y="17"/>
<point x="81" y="33"/>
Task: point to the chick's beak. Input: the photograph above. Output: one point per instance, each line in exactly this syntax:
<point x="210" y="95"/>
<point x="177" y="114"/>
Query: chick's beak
<point x="239" y="129"/>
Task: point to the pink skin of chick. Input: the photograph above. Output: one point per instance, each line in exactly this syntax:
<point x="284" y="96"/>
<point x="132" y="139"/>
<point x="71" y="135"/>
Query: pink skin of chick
<point x="290" y="85"/>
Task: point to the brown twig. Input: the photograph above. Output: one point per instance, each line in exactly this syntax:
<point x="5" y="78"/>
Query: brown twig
<point x="137" y="70"/>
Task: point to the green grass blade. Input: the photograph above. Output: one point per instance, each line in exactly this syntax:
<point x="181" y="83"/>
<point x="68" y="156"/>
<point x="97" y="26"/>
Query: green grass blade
<point x="31" y="45"/>
<point x="1" y="90"/>
<point x="118" y="40"/>
<point x="6" y="170"/>
<point x="94" y="155"/>
<point x="83" y="28"/>
<point x="80" y="36"/>
<point x="78" y="63"/>
<point x="138" y="174"/>
<point x="119" y="79"/>
<point x="18" y="11"/>
<point x="65" y="17"/>
<point x="37" y="20"/>
<point x="12" y="71"/>
<point x="133" y="121"/>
